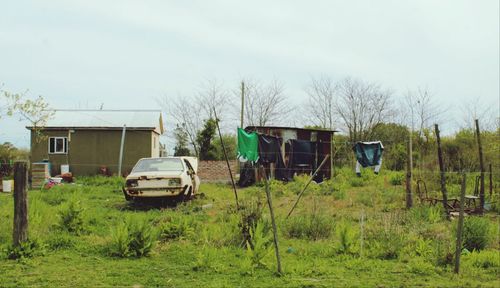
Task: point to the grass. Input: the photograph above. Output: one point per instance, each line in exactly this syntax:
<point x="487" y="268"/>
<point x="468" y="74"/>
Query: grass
<point x="323" y="244"/>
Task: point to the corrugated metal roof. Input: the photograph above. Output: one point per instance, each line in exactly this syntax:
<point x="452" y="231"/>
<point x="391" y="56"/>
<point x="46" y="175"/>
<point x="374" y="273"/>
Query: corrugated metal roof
<point x="290" y="128"/>
<point x="106" y="119"/>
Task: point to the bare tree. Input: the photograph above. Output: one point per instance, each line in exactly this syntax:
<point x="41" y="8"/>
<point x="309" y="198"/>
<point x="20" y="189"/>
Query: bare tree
<point x="478" y="109"/>
<point x="321" y="102"/>
<point x="264" y="104"/>
<point x="420" y="110"/>
<point x="361" y="106"/>
<point x="189" y="113"/>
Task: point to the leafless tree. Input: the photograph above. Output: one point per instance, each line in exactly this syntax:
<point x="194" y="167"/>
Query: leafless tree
<point x="478" y="109"/>
<point x="186" y="113"/>
<point x="264" y="104"/>
<point x="321" y="102"/>
<point x="361" y="106"/>
<point x="420" y="110"/>
<point x="189" y="113"/>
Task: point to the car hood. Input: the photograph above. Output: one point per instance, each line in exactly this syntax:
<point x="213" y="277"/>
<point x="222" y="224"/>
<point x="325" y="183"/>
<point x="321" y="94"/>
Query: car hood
<point x="155" y="174"/>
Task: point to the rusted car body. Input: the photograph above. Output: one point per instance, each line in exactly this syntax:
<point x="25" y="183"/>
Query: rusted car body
<point x="171" y="178"/>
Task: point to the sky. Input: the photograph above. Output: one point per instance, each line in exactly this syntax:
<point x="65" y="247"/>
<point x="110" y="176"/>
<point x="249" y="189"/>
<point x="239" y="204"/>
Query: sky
<point x="127" y="54"/>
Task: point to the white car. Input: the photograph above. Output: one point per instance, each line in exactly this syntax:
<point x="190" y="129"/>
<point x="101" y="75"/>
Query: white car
<point x="171" y="178"/>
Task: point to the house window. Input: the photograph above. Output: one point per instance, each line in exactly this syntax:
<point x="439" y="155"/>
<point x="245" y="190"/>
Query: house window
<point x="58" y="145"/>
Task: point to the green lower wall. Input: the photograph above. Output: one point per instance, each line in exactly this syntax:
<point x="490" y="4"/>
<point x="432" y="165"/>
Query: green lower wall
<point x="91" y="149"/>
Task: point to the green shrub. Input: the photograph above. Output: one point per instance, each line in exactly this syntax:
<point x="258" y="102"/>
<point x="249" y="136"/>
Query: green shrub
<point x="26" y="249"/>
<point x="72" y="218"/>
<point x="347" y="239"/>
<point x="59" y="241"/>
<point x="142" y="238"/>
<point x="397" y="178"/>
<point x="132" y="238"/>
<point x="476" y="233"/>
<point x="313" y="227"/>
<point x="356" y="182"/>
<point x="483" y="259"/>
<point x="176" y="229"/>
<point x="120" y="241"/>
<point x="366" y="198"/>
<point x="420" y="267"/>
<point x="259" y="247"/>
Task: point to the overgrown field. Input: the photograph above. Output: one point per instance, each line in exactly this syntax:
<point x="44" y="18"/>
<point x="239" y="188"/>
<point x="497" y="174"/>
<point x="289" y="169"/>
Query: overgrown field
<point x="345" y="232"/>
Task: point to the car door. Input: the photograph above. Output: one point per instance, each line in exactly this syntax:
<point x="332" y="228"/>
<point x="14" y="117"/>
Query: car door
<point x="194" y="177"/>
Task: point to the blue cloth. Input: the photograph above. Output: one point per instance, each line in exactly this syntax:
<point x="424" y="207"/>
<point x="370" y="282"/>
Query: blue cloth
<point x="368" y="153"/>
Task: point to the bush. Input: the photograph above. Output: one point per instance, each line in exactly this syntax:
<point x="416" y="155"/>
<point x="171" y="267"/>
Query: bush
<point x="259" y="247"/>
<point x="27" y="249"/>
<point x="72" y="219"/>
<point x="58" y="241"/>
<point x="176" y="229"/>
<point x="476" y="233"/>
<point x="132" y="238"/>
<point x="484" y="259"/>
<point x="397" y="178"/>
<point x="313" y="227"/>
<point x="347" y="237"/>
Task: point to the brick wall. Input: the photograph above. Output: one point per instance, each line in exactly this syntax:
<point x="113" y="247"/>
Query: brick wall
<point x="216" y="171"/>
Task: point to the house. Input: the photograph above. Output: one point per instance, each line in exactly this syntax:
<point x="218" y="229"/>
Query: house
<point x="89" y="140"/>
<point x="321" y="140"/>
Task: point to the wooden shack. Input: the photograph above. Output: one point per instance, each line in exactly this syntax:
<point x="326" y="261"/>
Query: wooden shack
<point x="323" y="140"/>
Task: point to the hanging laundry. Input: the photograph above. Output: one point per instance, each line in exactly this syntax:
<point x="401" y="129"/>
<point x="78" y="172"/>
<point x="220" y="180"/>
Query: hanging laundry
<point x="247" y="146"/>
<point x="368" y="154"/>
<point x="302" y="154"/>
<point x="247" y="175"/>
<point x="270" y="152"/>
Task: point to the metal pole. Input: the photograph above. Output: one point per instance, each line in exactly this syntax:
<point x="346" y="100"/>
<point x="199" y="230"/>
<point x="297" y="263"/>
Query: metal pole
<point x="308" y="182"/>
<point x="120" y="159"/>
<point x="227" y="160"/>
<point x="460" y="226"/>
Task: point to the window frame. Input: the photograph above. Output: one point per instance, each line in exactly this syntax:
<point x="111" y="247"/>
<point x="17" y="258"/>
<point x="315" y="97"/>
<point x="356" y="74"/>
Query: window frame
<point x="65" y="145"/>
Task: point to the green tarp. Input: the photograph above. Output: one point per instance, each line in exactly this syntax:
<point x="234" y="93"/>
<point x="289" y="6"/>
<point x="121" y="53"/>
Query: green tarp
<point x="247" y="146"/>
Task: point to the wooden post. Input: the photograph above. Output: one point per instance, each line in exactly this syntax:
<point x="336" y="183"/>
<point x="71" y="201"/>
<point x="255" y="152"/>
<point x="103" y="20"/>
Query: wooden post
<point x="227" y="160"/>
<point x="441" y="169"/>
<point x="242" y="103"/>
<point x="122" y="143"/>
<point x="491" y="182"/>
<point x="458" y="250"/>
<point x="20" y="233"/>
<point x="481" y="166"/>
<point x="308" y="182"/>
<point x="273" y="222"/>
<point x="409" y="162"/>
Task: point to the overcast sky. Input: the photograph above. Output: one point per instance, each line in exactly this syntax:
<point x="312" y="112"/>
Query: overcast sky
<point x="124" y="54"/>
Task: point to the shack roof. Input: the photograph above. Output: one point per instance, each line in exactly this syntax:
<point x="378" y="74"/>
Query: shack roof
<point x="290" y="128"/>
<point x="105" y="119"/>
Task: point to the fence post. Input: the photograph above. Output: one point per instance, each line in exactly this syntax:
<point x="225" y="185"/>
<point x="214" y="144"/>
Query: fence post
<point x="491" y="182"/>
<point x="20" y="232"/>
<point x="458" y="250"/>
<point x="481" y="166"/>
<point x="441" y="169"/>
<point x="275" y="233"/>
<point x="409" y="162"/>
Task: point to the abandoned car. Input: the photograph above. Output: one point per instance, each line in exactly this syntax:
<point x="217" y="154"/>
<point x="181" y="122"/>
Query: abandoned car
<point x="171" y="178"/>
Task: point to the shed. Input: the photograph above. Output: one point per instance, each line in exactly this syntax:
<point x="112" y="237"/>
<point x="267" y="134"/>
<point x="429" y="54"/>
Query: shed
<point x="88" y="140"/>
<point x="322" y="138"/>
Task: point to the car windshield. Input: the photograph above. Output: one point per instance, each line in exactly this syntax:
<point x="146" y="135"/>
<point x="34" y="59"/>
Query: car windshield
<point x="159" y="164"/>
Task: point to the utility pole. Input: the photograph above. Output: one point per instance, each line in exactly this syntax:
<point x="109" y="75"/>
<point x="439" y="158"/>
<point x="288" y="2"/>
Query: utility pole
<point x="242" y="103"/>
